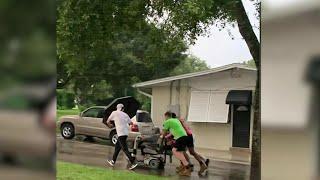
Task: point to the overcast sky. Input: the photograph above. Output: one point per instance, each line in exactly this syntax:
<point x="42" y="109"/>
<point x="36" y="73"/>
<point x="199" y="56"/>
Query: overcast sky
<point x="219" y="48"/>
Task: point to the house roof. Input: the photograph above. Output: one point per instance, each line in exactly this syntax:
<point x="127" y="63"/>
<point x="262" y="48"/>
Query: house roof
<point x="195" y="74"/>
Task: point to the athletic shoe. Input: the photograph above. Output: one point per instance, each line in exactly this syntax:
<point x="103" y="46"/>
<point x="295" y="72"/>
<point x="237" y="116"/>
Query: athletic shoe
<point x="185" y="172"/>
<point x="134" y="165"/>
<point x="111" y="162"/>
<point x="203" y="167"/>
<point x="207" y="162"/>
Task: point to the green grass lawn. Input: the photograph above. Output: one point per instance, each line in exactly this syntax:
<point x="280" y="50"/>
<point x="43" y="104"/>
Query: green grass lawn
<point x="70" y="171"/>
<point x="67" y="112"/>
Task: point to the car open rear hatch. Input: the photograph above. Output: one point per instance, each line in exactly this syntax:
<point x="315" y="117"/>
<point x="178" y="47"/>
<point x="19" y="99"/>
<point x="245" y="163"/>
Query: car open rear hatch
<point x="131" y="105"/>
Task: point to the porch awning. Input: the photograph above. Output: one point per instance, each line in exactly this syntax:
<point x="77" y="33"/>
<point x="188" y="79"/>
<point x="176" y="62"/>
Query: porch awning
<point x="239" y="97"/>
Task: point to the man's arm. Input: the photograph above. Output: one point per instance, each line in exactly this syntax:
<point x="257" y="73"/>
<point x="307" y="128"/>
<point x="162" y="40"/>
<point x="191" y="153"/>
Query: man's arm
<point x="110" y="118"/>
<point x="108" y="122"/>
<point x="165" y="130"/>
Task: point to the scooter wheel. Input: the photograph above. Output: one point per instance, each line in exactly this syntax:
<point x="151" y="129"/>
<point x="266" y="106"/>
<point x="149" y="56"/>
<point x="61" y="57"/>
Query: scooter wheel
<point x="154" y="163"/>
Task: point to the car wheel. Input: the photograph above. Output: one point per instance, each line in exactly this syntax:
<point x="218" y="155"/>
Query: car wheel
<point x="113" y="137"/>
<point x="67" y="131"/>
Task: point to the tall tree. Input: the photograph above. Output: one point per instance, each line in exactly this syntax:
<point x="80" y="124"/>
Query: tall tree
<point x="189" y="65"/>
<point x="27" y="41"/>
<point x="191" y="18"/>
<point x="111" y="41"/>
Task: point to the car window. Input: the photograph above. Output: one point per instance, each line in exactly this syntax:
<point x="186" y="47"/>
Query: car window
<point x="101" y="113"/>
<point x="143" y="117"/>
<point x="93" y="112"/>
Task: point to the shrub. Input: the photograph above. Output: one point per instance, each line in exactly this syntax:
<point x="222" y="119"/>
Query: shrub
<point x="65" y="99"/>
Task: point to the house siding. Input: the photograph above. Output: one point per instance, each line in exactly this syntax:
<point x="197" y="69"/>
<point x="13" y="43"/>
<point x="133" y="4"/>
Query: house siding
<point x="283" y="147"/>
<point x="207" y="135"/>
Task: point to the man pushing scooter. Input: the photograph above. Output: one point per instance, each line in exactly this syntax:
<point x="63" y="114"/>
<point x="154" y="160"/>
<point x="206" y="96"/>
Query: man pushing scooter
<point x="203" y="162"/>
<point x="174" y="126"/>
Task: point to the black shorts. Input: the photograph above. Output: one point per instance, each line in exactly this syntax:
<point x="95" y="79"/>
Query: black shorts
<point x="190" y="141"/>
<point x="181" y="143"/>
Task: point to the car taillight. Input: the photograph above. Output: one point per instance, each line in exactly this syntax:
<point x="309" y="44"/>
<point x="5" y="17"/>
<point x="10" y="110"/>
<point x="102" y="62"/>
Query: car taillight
<point x="134" y="128"/>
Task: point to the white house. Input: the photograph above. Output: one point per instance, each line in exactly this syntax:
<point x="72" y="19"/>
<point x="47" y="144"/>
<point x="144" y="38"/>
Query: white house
<point x="216" y="103"/>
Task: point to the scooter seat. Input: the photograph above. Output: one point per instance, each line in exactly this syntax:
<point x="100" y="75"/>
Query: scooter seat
<point x="150" y="151"/>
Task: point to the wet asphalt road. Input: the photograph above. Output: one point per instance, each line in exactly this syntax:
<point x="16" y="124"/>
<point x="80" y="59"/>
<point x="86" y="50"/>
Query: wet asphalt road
<point x="95" y="154"/>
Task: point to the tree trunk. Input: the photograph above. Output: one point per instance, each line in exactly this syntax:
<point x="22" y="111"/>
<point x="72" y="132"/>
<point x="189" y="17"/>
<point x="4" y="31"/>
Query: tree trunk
<point x="247" y="32"/>
<point x="253" y="44"/>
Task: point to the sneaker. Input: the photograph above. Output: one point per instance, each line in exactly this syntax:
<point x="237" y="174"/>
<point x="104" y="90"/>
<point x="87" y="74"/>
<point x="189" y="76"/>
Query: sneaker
<point x="111" y="162"/>
<point x="185" y="172"/>
<point x="134" y="165"/>
<point x="203" y="167"/>
<point x="207" y="162"/>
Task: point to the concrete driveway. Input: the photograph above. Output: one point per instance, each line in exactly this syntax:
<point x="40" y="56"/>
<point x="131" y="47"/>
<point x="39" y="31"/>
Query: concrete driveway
<point x="96" y="153"/>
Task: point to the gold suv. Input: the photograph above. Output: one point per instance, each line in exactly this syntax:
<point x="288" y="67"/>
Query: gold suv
<point x="89" y="122"/>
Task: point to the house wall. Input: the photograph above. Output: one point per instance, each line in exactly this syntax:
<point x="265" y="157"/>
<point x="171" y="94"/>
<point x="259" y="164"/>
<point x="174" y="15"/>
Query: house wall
<point x="160" y="101"/>
<point x="286" y="155"/>
<point x="208" y="135"/>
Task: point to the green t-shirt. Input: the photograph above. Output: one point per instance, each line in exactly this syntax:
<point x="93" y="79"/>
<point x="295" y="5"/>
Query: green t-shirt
<point x="175" y="127"/>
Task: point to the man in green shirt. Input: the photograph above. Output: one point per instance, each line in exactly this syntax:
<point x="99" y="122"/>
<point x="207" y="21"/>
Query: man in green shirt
<point x="174" y="126"/>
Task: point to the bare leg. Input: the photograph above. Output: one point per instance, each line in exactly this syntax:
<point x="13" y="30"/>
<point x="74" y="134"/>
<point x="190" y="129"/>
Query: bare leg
<point x="187" y="157"/>
<point x="198" y="157"/>
<point x="180" y="156"/>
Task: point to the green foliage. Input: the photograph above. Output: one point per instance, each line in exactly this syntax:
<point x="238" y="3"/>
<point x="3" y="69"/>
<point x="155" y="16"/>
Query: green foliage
<point x="105" y="46"/>
<point x="146" y="102"/>
<point x="250" y="63"/>
<point x="64" y="112"/>
<point x="65" y="99"/>
<point x="189" y="65"/>
<point x="190" y="19"/>
<point x="27" y="41"/>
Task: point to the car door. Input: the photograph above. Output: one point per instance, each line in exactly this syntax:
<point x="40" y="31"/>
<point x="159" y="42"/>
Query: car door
<point x="91" y="123"/>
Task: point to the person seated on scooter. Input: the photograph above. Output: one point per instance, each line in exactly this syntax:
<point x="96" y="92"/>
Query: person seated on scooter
<point x="174" y="126"/>
<point x="149" y="142"/>
<point x="190" y="145"/>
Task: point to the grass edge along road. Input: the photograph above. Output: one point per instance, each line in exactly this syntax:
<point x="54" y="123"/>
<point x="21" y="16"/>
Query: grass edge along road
<point x="70" y="171"/>
<point x="63" y="112"/>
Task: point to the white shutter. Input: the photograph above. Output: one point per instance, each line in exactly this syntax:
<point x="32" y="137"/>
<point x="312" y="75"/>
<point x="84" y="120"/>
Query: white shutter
<point x="198" y="109"/>
<point x="218" y="109"/>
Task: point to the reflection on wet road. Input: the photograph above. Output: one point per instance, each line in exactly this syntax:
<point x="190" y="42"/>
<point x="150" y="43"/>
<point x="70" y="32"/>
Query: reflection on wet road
<point x="95" y="154"/>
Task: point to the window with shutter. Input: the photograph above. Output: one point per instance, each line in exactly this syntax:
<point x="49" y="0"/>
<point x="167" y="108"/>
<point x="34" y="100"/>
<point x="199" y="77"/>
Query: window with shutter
<point x="218" y="110"/>
<point x="198" y="109"/>
<point x="206" y="106"/>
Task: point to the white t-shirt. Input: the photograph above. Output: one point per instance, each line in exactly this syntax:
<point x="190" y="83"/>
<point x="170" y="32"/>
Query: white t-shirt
<point x="121" y="121"/>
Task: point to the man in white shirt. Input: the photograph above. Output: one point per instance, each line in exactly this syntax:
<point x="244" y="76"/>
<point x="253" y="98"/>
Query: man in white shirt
<point x="121" y="121"/>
